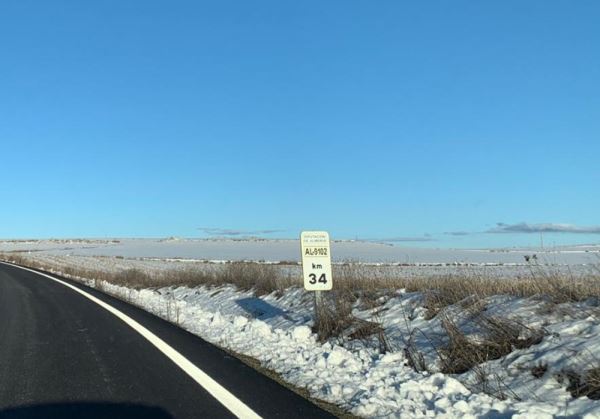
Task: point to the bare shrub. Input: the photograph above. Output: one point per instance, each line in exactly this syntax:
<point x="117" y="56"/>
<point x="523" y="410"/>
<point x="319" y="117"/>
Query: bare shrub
<point x="539" y="370"/>
<point x="502" y="337"/>
<point x="334" y="315"/>
<point x="415" y="358"/>
<point x="586" y="384"/>
<point x="460" y="355"/>
<point x="592" y="378"/>
<point x="336" y="321"/>
<point x="492" y="383"/>
<point x="510" y="332"/>
<point x="367" y="330"/>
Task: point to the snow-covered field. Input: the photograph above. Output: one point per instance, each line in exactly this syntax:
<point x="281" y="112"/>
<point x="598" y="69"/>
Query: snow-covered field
<point x="391" y="261"/>
<point x="288" y="250"/>
<point x="536" y="381"/>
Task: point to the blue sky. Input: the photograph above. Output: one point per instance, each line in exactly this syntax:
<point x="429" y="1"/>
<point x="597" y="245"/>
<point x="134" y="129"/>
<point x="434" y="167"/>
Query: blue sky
<point x="368" y="119"/>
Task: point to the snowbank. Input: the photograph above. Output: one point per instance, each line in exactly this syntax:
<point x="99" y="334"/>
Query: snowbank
<point x="276" y="332"/>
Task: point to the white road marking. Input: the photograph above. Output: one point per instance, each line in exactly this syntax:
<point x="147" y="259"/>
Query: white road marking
<point x="232" y="403"/>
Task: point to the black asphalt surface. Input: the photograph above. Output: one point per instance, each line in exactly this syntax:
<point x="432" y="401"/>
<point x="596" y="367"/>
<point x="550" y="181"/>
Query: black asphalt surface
<point x="63" y="356"/>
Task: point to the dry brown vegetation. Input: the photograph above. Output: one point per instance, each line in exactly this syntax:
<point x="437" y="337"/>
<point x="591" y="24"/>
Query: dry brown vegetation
<point x="367" y="288"/>
<point x="353" y="281"/>
<point x="502" y="336"/>
<point x="261" y="278"/>
<point x="584" y="384"/>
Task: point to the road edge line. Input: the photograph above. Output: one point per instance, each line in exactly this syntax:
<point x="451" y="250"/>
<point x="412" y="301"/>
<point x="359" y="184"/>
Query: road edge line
<point x="220" y="393"/>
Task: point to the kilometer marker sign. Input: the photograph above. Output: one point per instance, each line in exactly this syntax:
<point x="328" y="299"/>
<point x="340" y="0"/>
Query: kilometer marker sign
<point x="316" y="260"/>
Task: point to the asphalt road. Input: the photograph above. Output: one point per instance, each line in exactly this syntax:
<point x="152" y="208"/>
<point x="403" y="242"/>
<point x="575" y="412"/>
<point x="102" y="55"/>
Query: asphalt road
<point x="62" y="355"/>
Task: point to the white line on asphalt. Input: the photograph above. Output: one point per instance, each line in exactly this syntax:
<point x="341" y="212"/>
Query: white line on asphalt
<point x="232" y="403"/>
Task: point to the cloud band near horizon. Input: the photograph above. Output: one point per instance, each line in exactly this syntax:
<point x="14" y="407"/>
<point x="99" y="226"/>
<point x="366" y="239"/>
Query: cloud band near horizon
<point x="543" y="228"/>
<point x="211" y="231"/>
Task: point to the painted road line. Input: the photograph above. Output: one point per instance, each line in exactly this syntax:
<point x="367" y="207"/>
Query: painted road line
<point x="226" y="398"/>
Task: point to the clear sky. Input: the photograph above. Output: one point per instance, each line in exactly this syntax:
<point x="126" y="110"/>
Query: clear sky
<point x="370" y="119"/>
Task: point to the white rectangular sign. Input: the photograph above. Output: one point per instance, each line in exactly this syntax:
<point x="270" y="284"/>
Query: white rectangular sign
<point x="316" y="260"/>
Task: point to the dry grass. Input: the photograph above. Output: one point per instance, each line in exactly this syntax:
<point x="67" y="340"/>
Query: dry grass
<point x="502" y="336"/>
<point x="414" y="356"/>
<point x="335" y="320"/>
<point x="367" y="285"/>
<point x="261" y="278"/>
<point x="334" y="317"/>
<point x="442" y="291"/>
<point x="353" y="280"/>
<point x="368" y="288"/>
<point x="586" y="384"/>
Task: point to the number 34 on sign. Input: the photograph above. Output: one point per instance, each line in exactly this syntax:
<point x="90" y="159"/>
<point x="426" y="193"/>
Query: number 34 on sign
<point x="316" y="260"/>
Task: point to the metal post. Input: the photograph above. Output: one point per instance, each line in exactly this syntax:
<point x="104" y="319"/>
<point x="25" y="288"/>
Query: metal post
<point x="318" y="306"/>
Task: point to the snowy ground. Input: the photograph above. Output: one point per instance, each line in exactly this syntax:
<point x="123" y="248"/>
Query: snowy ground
<point x="276" y="330"/>
<point x="288" y="250"/>
<point x="114" y="255"/>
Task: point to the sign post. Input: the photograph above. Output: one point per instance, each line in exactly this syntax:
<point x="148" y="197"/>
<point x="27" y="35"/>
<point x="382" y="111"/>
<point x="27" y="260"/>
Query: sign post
<point x="316" y="265"/>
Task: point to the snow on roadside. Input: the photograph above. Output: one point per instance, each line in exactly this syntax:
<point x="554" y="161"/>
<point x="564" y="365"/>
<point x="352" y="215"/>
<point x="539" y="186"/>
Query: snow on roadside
<point x="275" y="329"/>
<point x="276" y="332"/>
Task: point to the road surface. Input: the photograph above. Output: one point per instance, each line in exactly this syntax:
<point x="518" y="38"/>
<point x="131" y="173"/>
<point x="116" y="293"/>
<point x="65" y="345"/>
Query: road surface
<point x="64" y="355"/>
